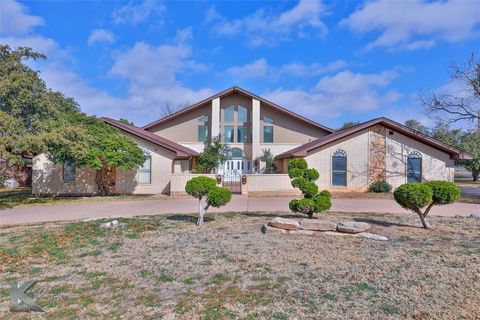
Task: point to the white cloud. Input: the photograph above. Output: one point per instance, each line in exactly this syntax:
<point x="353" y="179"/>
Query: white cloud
<point x="416" y="24"/>
<point x="261" y="69"/>
<point x="100" y="35"/>
<point x="134" y="13"/>
<point x="14" y="19"/>
<point x="343" y="92"/>
<point x="262" y="28"/>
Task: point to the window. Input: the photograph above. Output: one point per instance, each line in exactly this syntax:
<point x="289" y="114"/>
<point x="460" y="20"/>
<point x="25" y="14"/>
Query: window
<point x="228" y="134"/>
<point x="235" y="153"/>
<point x="414" y="167"/>
<point x="242" y="114"/>
<point x="242" y="134"/>
<point x="267" y="119"/>
<point x="202" y="129"/>
<point x="145" y="171"/>
<point x="339" y="168"/>
<point x="69" y="172"/>
<point x="228" y="114"/>
<point x="268" y="134"/>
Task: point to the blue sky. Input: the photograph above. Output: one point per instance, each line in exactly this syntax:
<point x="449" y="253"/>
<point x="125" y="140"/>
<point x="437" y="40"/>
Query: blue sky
<point x="329" y="61"/>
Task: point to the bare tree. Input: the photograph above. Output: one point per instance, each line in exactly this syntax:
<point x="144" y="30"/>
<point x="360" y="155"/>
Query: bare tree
<point x="463" y="106"/>
<point x="169" y="108"/>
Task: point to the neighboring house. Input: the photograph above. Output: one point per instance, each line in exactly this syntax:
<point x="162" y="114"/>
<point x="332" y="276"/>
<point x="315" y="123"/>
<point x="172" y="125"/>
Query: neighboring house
<point x="351" y="159"/>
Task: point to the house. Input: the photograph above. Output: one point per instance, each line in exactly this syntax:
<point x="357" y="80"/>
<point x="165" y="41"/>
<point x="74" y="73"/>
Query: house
<point x="348" y="159"/>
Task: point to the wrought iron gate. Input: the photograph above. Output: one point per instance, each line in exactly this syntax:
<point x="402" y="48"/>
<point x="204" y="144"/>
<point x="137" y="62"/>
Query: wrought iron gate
<point x="233" y="182"/>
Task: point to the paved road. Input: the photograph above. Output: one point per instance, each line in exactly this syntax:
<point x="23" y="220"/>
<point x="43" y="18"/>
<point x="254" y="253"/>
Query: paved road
<point x="78" y="211"/>
<point x="470" y="191"/>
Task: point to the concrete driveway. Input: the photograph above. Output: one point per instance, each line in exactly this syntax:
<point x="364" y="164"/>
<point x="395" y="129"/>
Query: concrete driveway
<point x="239" y="203"/>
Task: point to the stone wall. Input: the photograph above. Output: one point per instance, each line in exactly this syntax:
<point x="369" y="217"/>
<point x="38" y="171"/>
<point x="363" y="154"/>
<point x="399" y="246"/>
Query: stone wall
<point x="377" y="166"/>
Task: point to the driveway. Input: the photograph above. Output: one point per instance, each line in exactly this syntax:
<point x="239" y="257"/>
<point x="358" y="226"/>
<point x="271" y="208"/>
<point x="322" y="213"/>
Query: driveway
<point x="78" y="211"/>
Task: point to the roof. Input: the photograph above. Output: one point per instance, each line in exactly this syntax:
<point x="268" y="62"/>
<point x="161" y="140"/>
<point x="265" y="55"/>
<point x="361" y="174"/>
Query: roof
<point x="181" y="151"/>
<point x="303" y="150"/>
<point x="228" y="92"/>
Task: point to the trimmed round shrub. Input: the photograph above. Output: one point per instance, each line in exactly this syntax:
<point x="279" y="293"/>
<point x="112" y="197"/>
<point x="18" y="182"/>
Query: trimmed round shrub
<point x="326" y="193"/>
<point x="295" y="173"/>
<point x="299" y="182"/>
<point x="413" y="196"/>
<point x="298" y="163"/>
<point x="293" y="205"/>
<point x="322" y="202"/>
<point x="306" y="206"/>
<point x="444" y="192"/>
<point x="309" y="189"/>
<point x="200" y="186"/>
<point x="380" y="186"/>
<point x="218" y="196"/>
<point x="311" y="174"/>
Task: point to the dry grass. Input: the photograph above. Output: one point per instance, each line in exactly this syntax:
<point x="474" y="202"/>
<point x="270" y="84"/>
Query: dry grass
<point x="166" y="267"/>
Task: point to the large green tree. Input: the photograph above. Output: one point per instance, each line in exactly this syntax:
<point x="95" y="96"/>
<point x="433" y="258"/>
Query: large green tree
<point x="471" y="143"/>
<point x="34" y="120"/>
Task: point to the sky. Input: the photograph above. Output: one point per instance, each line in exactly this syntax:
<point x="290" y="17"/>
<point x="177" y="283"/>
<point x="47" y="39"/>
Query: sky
<point x="329" y="61"/>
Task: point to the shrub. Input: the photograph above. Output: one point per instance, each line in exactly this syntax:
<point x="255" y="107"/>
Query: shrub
<point x="309" y="189"/>
<point x="326" y="193"/>
<point x="201" y="187"/>
<point x="311" y="174"/>
<point x="298" y="163"/>
<point x="444" y="192"/>
<point x="304" y="178"/>
<point x="380" y="186"/>
<point x="415" y="196"/>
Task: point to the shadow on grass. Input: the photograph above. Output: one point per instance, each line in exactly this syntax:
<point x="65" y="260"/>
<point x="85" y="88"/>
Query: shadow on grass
<point x="188" y="218"/>
<point x="383" y="223"/>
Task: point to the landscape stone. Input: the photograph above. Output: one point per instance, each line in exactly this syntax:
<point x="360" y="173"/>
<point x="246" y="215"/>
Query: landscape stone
<point x="475" y="215"/>
<point x="352" y="226"/>
<point x="303" y="232"/>
<point x="267" y="229"/>
<point x="366" y="235"/>
<point x="282" y="223"/>
<point x="317" y="225"/>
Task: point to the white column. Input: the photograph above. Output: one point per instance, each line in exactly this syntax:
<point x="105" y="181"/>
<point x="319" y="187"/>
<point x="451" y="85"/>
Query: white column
<point x="215" y="129"/>
<point x="255" y="128"/>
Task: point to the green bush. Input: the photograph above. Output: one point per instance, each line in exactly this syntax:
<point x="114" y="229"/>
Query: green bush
<point x="293" y="205"/>
<point x="298" y="163"/>
<point x="305" y="206"/>
<point x="325" y="193"/>
<point x="218" y="197"/>
<point x="311" y="174"/>
<point x="295" y="173"/>
<point x="199" y="187"/>
<point x="413" y="196"/>
<point x="299" y="182"/>
<point x="380" y="186"/>
<point x="444" y="192"/>
<point x="322" y="202"/>
<point x="309" y="189"/>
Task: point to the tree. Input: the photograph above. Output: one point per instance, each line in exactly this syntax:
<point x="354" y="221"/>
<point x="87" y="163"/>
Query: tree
<point x="170" y="108"/>
<point x="464" y="105"/>
<point x="213" y="154"/>
<point x="443" y="132"/>
<point x="304" y="179"/>
<point x="470" y="143"/>
<point x="417" y="126"/>
<point x="349" y="124"/>
<point x="207" y="192"/>
<point x="267" y="157"/>
<point x="97" y="145"/>
<point x="415" y="196"/>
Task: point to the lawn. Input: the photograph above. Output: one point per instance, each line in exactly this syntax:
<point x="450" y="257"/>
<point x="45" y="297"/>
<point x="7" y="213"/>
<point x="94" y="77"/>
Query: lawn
<point x="166" y="267"/>
<point x="10" y="198"/>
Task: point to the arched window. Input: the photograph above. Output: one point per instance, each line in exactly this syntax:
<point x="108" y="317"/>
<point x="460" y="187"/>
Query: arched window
<point x="228" y="114"/>
<point x="414" y="167"/>
<point x="235" y="153"/>
<point x="242" y="114"/>
<point x="339" y="168"/>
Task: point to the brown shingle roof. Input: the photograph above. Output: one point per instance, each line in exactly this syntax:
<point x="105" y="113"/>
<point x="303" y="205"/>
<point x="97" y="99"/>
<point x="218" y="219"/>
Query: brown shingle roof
<point x="303" y="150"/>
<point x="230" y="91"/>
<point x="180" y="150"/>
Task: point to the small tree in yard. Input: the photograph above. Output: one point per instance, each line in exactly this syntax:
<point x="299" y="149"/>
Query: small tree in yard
<point x="415" y="196"/>
<point x="304" y="179"/>
<point x="207" y="192"/>
<point x="214" y="154"/>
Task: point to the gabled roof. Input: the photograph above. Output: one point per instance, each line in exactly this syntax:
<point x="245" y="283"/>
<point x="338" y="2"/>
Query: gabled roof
<point x="228" y="92"/>
<point x="303" y="150"/>
<point x="181" y="151"/>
